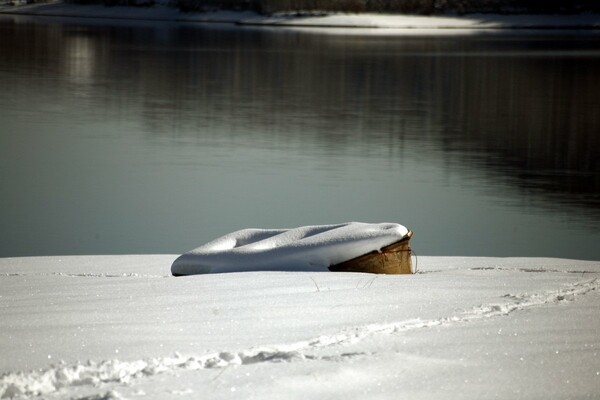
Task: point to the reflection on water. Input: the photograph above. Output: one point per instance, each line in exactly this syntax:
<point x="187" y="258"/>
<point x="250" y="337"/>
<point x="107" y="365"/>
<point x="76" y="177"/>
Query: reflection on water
<point x="159" y="138"/>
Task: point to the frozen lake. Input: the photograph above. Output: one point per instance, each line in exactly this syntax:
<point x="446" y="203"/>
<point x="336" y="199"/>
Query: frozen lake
<point x="156" y="138"/>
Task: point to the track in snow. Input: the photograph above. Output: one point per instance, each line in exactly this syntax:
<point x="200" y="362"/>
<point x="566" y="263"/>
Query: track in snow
<point x="43" y="382"/>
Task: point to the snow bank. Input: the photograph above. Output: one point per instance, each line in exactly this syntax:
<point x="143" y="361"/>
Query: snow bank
<point x="444" y="22"/>
<point x="307" y="248"/>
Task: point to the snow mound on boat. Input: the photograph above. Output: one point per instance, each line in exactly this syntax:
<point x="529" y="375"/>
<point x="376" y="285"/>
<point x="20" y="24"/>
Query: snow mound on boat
<point x="307" y="248"/>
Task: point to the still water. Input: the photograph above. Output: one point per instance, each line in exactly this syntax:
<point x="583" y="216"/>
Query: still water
<point x="156" y="138"/>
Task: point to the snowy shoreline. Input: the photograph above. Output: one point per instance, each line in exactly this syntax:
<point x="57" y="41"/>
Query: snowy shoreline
<point x="121" y="327"/>
<point x="341" y="21"/>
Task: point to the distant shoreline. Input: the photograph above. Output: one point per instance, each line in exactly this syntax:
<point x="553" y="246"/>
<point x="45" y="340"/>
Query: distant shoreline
<point x="369" y="21"/>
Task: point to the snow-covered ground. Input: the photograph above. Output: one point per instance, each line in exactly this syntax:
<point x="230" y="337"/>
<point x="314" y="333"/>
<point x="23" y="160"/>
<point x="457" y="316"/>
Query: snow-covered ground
<point x="112" y="327"/>
<point x="365" y="22"/>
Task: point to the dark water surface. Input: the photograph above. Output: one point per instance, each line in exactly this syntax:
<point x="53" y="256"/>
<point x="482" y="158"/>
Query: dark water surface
<point x="158" y="137"/>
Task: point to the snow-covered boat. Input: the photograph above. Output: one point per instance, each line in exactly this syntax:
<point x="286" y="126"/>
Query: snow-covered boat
<point x="353" y="246"/>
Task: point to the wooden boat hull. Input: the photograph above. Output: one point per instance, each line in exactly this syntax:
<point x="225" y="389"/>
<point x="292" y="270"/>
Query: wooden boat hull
<point x="392" y="259"/>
